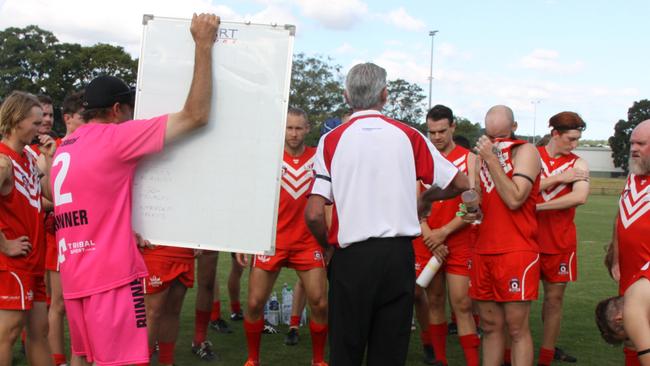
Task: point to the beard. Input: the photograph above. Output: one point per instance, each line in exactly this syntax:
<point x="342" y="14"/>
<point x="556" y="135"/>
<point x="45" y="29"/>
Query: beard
<point x="640" y="165"/>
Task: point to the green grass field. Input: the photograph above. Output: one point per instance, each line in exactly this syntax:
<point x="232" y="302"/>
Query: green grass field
<point x="579" y="335"/>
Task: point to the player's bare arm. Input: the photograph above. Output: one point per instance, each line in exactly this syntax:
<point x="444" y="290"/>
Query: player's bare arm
<point x="315" y="218"/>
<point x="636" y="317"/>
<point x="578" y="195"/>
<point x="44" y="163"/>
<point x="459" y="184"/>
<point x="570" y="175"/>
<point x="6" y="175"/>
<point x="615" y="270"/>
<point x="196" y="110"/>
<point x="15" y="247"/>
<point x="526" y="165"/>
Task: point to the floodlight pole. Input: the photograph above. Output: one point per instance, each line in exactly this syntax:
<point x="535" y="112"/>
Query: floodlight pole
<point x="432" y="34"/>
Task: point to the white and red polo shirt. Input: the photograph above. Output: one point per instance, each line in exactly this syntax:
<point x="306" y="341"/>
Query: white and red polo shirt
<point x="368" y="169"/>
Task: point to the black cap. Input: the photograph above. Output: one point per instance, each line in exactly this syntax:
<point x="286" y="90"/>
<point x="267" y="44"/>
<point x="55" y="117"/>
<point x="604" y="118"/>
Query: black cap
<point x="104" y="91"/>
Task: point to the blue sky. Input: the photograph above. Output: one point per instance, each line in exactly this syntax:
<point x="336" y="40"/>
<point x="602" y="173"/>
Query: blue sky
<point x="591" y="57"/>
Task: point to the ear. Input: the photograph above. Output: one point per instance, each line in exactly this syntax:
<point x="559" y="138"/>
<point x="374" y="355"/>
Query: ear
<point x="514" y="126"/>
<point x="384" y="95"/>
<point x="345" y="96"/>
<point x="66" y="117"/>
<point x="116" y="111"/>
<point x="555" y="133"/>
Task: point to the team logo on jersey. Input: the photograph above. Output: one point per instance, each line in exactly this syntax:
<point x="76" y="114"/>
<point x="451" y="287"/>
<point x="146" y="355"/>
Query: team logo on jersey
<point x="318" y="256"/>
<point x="263" y="258"/>
<point x="30" y="295"/>
<point x="634" y="202"/>
<point x="514" y="285"/>
<point x="155" y="281"/>
<point x="563" y="269"/>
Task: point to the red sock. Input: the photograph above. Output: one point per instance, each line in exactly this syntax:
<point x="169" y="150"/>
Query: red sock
<point x="631" y="358"/>
<point x="235" y="307"/>
<point x="216" y="311"/>
<point x="58" y="359"/>
<point x="425" y="337"/>
<point x="453" y="317"/>
<point x="295" y="321"/>
<point x="507" y="356"/>
<point x="166" y="353"/>
<point x="477" y="319"/>
<point x="253" y="338"/>
<point x="318" y="339"/>
<point x="470" y="344"/>
<point x="201" y="319"/>
<point x="546" y="356"/>
<point x="438" y="334"/>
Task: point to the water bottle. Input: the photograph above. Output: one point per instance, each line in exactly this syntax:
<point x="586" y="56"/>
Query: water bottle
<point x="287" y="301"/>
<point x="266" y="309"/>
<point x="274" y="310"/>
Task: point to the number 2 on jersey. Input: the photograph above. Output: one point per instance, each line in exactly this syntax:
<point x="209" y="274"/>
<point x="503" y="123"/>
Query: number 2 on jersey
<point x="61" y="198"/>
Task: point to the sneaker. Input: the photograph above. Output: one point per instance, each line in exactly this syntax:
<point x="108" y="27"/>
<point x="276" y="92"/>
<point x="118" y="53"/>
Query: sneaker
<point x="220" y="326"/>
<point x="428" y="356"/>
<point x="292" y="337"/>
<point x="562" y="356"/>
<point x="452" y="329"/>
<point x="269" y="328"/>
<point x="251" y="363"/>
<point x="204" y="351"/>
<point x="237" y="316"/>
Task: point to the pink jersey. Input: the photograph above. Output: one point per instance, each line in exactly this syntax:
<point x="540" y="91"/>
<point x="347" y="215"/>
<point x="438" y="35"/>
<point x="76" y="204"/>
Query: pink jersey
<point x="92" y="178"/>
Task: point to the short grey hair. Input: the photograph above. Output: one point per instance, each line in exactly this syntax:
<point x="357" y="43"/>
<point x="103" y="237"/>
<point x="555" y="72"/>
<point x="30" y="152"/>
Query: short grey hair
<point x="298" y="112"/>
<point x="364" y="85"/>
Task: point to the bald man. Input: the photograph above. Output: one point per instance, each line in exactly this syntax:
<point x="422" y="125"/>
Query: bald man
<point x="505" y="266"/>
<point x="631" y="238"/>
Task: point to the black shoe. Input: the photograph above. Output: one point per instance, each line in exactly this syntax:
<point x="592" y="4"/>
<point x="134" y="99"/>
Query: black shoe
<point x="220" y="326"/>
<point x="428" y="357"/>
<point x="292" y="337"/>
<point x="237" y="316"/>
<point x="452" y="329"/>
<point x="562" y="356"/>
<point x="269" y="328"/>
<point x="204" y="351"/>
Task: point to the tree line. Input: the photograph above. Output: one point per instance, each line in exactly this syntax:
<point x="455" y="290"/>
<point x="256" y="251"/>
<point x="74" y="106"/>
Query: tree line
<point x="34" y="60"/>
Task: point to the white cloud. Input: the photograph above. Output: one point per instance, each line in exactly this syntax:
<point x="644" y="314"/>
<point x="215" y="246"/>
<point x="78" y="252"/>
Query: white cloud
<point x="118" y="22"/>
<point x="344" y="48"/>
<point x="334" y="14"/>
<point x="401" y="19"/>
<point x="548" y="60"/>
<point x="274" y="14"/>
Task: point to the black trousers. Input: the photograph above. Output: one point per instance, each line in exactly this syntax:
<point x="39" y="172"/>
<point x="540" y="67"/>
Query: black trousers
<point x="371" y="285"/>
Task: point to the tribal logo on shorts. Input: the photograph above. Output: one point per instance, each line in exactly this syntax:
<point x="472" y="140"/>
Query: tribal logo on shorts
<point x="318" y="256"/>
<point x="563" y="269"/>
<point x="154" y="281"/>
<point x="514" y="285"/>
<point x="30" y="295"/>
<point x="418" y="266"/>
<point x="263" y="258"/>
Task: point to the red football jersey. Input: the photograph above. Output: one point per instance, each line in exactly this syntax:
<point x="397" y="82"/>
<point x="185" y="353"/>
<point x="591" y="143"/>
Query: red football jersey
<point x="633" y="228"/>
<point x="297" y="176"/>
<point x="556" y="231"/>
<point x="504" y="230"/>
<point x="21" y="213"/>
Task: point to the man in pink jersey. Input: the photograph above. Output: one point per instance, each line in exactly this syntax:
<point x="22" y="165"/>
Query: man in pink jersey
<point x="295" y="246"/>
<point x="631" y="244"/>
<point x="22" y="236"/>
<point x="443" y="228"/>
<point x="563" y="187"/>
<point x="505" y="265"/>
<point x="101" y="266"/>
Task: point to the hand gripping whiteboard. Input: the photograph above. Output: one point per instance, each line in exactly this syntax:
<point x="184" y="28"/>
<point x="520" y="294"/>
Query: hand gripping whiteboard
<point x="218" y="189"/>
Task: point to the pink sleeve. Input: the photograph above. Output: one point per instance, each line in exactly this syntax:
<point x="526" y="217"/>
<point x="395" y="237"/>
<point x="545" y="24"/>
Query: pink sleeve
<point x="137" y="138"/>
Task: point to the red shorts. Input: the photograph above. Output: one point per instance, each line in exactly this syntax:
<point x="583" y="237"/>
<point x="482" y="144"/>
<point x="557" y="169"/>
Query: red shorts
<point x="300" y="260"/>
<point x="51" y="253"/>
<point x="505" y="277"/>
<point x="559" y="268"/>
<point x="457" y="262"/>
<point x="110" y="328"/>
<point x="16" y="291"/>
<point x="164" y="270"/>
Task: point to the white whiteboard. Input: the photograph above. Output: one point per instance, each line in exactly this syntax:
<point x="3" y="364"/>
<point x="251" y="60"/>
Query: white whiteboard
<point x="219" y="188"/>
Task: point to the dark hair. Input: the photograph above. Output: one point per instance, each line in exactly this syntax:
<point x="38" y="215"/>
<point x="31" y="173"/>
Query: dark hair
<point x="565" y="121"/>
<point x="73" y="103"/>
<point x="439" y="112"/>
<point x="299" y="112"/>
<point x="44" y="99"/>
<point x="603" y="312"/>
<point x="96" y="113"/>
<point x="462" y="141"/>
